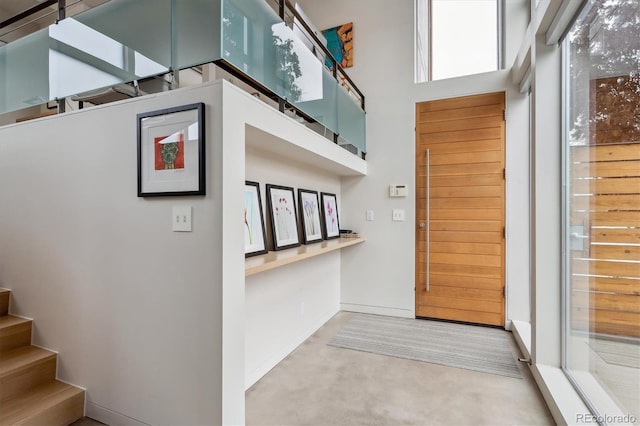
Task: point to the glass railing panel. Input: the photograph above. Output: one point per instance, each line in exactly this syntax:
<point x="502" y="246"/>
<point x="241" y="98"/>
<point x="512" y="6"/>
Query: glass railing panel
<point x="257" y="42"/>
<point x="81" y="59"/>
<point x="122" y="41"/>
<point x="323" y="108"/>
<point x="197" y="32"/>
<point x="248" y="41"/>
<point x="313" y="90"/>
<point x="351" y="120"/>
<point x="118" y="42"/>
<point x="24" y="72"/>
<point x="141" y="26"/>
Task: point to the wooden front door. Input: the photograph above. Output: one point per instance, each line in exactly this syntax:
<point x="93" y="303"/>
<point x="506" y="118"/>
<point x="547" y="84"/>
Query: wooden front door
<point x="460" y="209"/>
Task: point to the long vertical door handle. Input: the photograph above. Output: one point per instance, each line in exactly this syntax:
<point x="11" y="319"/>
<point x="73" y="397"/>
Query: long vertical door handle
<point x="428" y="194"/>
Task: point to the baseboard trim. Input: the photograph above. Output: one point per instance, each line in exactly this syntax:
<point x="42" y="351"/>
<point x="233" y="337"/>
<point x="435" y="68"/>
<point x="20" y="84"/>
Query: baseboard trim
<point x="110" y="417"/>
<point x="377" y="310"/>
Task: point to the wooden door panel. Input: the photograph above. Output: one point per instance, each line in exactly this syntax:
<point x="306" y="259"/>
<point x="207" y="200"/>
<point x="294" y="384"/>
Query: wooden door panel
<point x="465" y="293"/>
<point x="460" y="113"/>
<point x="466" y="158"/>
<point x="466" y="303"/>
<point x="466" y="169"/>
<point x="466" y="270"/>
<point x="468" y="181"/>
<point x="466" y="237"/>
<point x="460" y="136"/>
<point x="463" y="102"/>
<point x="472" y="316"/>
<point x="465" y="210"/>
<point x="457" y="125"/>
<point x="466" y="146"/>
<point x="465" y="203"/>
<point x="465" y="191"/>
<point x="470" y="248"/>
<point x="466" y="225"/>
<point x="462" y="281"/>
<point x="468" y="214"/>
<point x="466" y="259"/>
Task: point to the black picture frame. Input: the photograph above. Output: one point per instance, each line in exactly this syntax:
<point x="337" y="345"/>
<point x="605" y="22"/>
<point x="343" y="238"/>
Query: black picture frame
<point x="330" y="217"/>
<point x="255" y="236"/>
<point x="283" y="217"/>
<point x="311" y="221"/>
<point x="171" y="151"/>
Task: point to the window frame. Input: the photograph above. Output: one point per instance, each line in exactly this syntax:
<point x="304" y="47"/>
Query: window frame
<point x="423" y="57"/>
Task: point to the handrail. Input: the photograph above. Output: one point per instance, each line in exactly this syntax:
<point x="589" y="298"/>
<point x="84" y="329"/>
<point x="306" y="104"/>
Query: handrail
<point x="337" y="66"/>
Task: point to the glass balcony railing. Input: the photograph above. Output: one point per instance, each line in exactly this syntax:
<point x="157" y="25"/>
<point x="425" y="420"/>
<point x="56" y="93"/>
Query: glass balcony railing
<point x="123" y="41"/>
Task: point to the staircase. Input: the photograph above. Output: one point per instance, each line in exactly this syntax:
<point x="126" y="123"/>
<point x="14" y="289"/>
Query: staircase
<point x="29" y="391"/>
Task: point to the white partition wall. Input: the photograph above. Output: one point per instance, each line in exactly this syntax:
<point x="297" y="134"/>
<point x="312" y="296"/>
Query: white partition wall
<point x="133" y="308"/>
<point x="150" y="321"/>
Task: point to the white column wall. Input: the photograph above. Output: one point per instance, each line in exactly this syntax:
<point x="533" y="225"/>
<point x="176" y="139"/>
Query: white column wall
<point x="287" y="305"/>
<point x="133" y="308"/>
<point x="269" y="314"/>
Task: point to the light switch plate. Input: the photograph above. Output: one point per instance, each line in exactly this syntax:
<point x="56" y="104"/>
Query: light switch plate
<point x="397" y="215"/>
<point x="370" y="215"/>
<point x="181" y="219"/>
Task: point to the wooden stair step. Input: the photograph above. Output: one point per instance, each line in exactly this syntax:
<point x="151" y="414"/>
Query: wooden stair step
<point x="25" y="368"/>
<point x="14" y="332"/>
<point x="53" y="403"/>
<point x="4" y="301"/>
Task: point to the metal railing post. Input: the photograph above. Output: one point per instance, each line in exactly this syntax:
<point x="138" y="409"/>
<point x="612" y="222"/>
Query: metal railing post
<point x="62" y="13"/>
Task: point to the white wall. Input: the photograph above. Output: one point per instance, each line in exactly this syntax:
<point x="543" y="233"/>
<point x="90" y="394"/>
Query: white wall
<point x="133" y="308"/>
<point x="275" y="311"/>
<point x="379" y="278"/>
<point x="286" y="305"/>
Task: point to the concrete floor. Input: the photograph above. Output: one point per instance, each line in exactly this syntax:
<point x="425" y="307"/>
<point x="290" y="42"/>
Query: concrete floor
<point x="319" y="384"/>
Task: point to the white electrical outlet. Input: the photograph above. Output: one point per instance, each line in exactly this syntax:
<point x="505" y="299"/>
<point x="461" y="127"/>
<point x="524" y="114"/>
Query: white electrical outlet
<point x="370" y="215"/>
<point x="181" y="219"/>
<point x="397" y="215"/>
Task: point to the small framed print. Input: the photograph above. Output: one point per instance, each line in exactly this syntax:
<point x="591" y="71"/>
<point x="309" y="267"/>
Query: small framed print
<point x="310" y="214"/>
<point x="283" y="217"/>
<point x="331" y="226"/>
<point x="255" y="238"/>
<point x="171" y="158"/>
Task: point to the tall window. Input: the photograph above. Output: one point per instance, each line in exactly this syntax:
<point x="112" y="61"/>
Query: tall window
<point x="457" y="37"/>
<point x="602" y="199"/>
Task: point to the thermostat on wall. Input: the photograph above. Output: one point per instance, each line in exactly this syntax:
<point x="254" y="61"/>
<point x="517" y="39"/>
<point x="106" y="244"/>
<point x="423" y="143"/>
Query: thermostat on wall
<point x="398" y="190"/>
